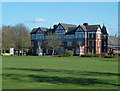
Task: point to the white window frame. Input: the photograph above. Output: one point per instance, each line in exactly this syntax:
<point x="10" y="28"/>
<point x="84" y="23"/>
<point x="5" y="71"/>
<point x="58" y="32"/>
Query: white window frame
<point x="98" y="36"/>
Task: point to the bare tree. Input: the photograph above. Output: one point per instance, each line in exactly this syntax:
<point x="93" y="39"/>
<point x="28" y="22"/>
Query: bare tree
<point x="53" y="43"/>
<point x="23" y="38"/>
<point x="8" y="37"/>
<point x="15" y="36"/>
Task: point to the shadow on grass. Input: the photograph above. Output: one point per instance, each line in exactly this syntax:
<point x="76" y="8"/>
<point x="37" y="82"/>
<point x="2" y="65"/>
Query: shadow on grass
<point x="68" y="71"/>
<point x="54" y="79"/>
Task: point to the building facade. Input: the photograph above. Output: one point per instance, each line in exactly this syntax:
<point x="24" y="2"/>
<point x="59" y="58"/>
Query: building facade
<point x="113" y="45"/>
<point x="81" y="39"/>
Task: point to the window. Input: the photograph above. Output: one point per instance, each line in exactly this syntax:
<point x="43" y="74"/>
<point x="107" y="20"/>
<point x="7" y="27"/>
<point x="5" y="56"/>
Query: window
<point x="92" y="43"/>
<point x="82" y="35"/>
<point x="79" y="35"/>
<point x="69" y="36"/>
<point x="98" y="35"/>
<point x="39" y="43"/>
<point x="88" y="50"/>
<point x="64" y="36"/>
<point x="104" y="43"/>
<point x="93" y="51"/>
<point x="89" y="43"/>
<point x="77" y="51"/>
<point x="104" y="50"/>
<point x="76" y="35"/>
<point x="33" y="36"/>
<point x="69" y="43"/>
<point x="92" y="35"/>
<point x="80" y="43"/>
<point x="89" y="35"/>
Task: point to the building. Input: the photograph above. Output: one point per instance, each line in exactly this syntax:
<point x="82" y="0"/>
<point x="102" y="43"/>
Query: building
<point x="113" y="45"/>
<point x="81" y="39"/>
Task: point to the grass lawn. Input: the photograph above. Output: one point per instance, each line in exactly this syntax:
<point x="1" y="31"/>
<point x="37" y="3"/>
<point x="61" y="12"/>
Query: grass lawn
<point x="47" y="72"/>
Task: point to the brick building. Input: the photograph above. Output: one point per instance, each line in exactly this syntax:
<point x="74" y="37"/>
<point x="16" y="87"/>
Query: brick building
<point x="80" y="39"/>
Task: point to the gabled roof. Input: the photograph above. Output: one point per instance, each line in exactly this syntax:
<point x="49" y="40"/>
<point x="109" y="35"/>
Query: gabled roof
<point x="66" y="26"/>
<point x="112" y="40"/>
<point x="104" y="30"/>
<point x="43" y="28"/>
<point x="36" y="29"/>
<point x="71" y="30"/>
<point x="83" y="27"/>
<point x="92" y="27"/>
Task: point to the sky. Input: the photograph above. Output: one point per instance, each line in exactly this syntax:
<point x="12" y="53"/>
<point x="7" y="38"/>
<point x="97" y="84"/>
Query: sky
<point x="46" y="14"/>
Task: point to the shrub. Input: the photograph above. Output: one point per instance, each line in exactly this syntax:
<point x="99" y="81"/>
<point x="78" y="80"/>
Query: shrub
<point x="69" y="53"/>
<point x="63" y="55"/>
<point x="103" y="55"/>
<point x="109" y="56"/>
<point x="97" y="55"/>
<point x="66" y="54"/>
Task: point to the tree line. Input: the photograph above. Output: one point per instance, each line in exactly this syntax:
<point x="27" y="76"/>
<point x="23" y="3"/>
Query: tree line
<point x="16" y="37"/>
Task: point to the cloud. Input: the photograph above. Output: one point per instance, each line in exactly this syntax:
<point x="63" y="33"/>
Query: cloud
<point x="38" y="20"/>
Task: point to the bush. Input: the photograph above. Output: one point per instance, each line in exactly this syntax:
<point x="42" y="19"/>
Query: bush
<point x="103" y="55"/>
<point x="97" y="55"/>
<point x="69" y="53"/>
<point x="109" y="56"/>
<point x="66" y="54"/>
<point x="63" y="55"/>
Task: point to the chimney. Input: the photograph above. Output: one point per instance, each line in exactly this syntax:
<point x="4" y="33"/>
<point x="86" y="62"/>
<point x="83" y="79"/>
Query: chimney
<point x="55" y="26"/>
<point x="85" y="24"/>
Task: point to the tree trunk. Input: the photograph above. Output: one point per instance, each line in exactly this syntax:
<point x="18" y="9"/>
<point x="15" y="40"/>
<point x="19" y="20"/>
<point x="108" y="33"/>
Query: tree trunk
<point x="53" y="52"/>
<point x="22" y="52"/>
<point x="4" y="51"/>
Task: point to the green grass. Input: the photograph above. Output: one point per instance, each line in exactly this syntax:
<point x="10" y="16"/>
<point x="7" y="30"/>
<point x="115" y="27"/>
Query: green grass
<point x="35" y="72"/>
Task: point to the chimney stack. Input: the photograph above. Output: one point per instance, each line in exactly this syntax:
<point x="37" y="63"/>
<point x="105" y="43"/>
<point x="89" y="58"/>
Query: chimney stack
<point x="85" y="24"/>
<point x="55" y="26"/>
